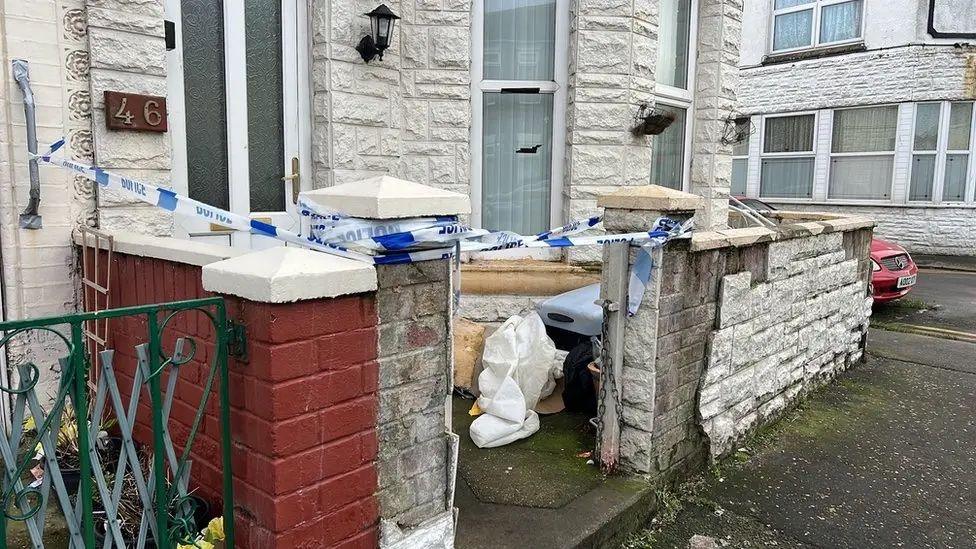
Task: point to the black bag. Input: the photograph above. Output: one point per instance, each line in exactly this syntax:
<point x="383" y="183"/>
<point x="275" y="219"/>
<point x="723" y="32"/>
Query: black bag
<point x="578" y="393"/>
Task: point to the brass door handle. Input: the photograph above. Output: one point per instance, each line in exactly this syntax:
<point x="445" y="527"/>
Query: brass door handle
<point x="295" y="178"/>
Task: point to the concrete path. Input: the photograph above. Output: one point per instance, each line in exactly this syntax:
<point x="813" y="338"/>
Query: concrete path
<point x="884" y="457"/>
<point x="941" y="299"/>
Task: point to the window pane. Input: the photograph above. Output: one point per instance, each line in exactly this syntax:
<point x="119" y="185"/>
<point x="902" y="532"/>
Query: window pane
<point x="840" y="22"/>
<point x="865" y="130"/>
<point x="792" y="30"/>
<point x="861" y="177"/>
<point x="516" y="185"/>
<point x="672" y="53"/>
<point x="668" y="152"/>
<point x="743" y="129"/>
<point x="265" y="105"/>
<point x="927" y="126"/>
<point x="740" y="169"/>
<point x="954" y="187"/>
<point x="960" y="118"/>
<point x="783" y="4"/>
<point x="789" y="134"/>
<point x="206" y="114"/>
<point x="923" y="173"/>
<point x="786" y="178"/>
<point x="519" y="39"/>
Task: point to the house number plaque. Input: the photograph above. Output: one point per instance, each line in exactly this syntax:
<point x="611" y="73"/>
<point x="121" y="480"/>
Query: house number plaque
<point x="131" y="111"/>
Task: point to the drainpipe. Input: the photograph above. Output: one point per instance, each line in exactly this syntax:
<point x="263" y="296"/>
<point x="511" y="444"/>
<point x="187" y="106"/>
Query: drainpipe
<point x="29" y="219"/>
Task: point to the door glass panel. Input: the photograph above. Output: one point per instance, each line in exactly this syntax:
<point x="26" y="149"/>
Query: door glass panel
<point x="265" y="105"/>
<point x="673" y="32"/>
<point x="668" y="152"/>
<point x="517" y="153"/>
<point x="519" y="39"/>
<point x="927" y="126"/>
<point x="923" y="173"/>
<point x="205" y="100"/>
<point x="954" y="187"/>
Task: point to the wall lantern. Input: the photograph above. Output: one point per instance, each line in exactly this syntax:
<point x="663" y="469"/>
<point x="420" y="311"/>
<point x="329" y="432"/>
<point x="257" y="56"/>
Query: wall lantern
<point x="381" y="22"/>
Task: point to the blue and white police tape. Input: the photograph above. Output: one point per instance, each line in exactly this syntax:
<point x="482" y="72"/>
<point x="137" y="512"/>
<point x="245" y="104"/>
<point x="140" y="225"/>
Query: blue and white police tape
<point x="370" y="240"/>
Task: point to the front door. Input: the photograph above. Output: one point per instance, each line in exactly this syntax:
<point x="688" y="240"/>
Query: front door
<point x="239" y="112"/>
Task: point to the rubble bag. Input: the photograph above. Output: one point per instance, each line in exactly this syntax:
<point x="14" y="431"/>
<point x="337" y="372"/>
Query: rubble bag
<point x="518" y="367"/>
<point x="578" y="392"/>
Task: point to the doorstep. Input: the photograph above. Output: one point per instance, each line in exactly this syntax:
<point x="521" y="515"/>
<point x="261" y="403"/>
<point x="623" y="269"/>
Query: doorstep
<point x="524" y="277"/>
<point x="539" y="493"/>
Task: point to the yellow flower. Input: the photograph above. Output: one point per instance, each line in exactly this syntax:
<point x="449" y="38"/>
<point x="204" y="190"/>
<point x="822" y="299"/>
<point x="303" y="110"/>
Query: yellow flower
<point x="215" y="530"/>
<point x="199" y="544"/>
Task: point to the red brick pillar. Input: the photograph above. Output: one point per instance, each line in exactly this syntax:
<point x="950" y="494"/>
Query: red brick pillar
<point x="305" y="402"/>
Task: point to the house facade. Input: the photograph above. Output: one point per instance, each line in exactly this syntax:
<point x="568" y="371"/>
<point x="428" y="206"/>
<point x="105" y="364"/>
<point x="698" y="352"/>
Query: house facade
<point x="863" y="106"/>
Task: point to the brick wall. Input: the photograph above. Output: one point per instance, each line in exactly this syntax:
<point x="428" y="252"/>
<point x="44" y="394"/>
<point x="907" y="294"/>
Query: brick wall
<point x="304" y="407"/>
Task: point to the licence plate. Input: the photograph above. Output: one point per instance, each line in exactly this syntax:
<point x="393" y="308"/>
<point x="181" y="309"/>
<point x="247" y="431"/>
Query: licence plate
<point x="905" y="281"/>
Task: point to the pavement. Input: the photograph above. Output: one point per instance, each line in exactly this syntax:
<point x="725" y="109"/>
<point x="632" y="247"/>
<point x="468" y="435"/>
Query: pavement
<point x="942" y="303"/>
<point x="883" y="457"/>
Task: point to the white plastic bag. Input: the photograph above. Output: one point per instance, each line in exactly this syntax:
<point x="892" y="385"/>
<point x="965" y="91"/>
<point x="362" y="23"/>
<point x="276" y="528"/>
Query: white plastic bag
<point x="518" y="372"/>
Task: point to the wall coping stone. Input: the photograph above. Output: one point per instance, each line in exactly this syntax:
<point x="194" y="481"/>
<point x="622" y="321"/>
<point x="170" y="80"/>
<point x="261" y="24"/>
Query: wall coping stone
<point x="385" y="197"/>
<point x="651" y="197"/>
<point x="811" y="225"/>
<point x="284" y="274"/>
<point x="177" y="250"/>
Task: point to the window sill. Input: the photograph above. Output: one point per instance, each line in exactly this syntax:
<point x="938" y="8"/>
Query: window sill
<point x="813" y="53"/>
<point x="868" y="203"/>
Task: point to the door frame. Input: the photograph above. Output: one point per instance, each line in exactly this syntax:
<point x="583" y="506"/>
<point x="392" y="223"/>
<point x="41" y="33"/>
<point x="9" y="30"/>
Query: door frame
<point x="557" y="88"/>
<point x="297" y="122"/>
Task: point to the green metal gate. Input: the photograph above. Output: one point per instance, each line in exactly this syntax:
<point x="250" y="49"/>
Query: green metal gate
<point x="96" y="511"/>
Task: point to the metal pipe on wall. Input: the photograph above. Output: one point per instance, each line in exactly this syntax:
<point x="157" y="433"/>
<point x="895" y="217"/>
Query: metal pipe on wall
<point x="29" y="218"/>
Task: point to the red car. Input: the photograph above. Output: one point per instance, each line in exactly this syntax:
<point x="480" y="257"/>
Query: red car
<point x="893" y="271"/>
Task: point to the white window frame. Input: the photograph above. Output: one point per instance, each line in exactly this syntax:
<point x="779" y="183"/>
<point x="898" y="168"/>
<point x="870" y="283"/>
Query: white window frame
<point x="942" y="151"/>
<point x="893" y="152"/>
<point x="744" y="157"/>
<point x="817" y="6"/>
<point x="812" y="154"/>
<point x="673" y="96"/>
<point x="557" y="87"/>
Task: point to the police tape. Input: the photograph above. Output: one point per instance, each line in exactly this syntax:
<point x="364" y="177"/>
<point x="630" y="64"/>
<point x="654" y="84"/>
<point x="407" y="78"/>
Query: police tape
<point x="385" y="241"/>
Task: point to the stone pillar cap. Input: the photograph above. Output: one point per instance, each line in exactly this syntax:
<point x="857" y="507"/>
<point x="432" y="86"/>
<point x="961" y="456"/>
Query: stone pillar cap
<point x="650" y="197"/>
<point x="285" y="274"/>
<point x="386" y="197"/>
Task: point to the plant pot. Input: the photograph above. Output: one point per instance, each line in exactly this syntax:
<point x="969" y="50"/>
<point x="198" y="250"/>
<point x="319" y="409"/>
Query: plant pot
<point x="71" y="478"/>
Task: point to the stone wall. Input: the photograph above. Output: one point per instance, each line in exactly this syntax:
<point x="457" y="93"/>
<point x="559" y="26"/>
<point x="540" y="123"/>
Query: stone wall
<point x="414" y="460"/>
<point x="789" y="319"/>
<point x="907" y="73"/>
<point x="406" y="115"/>
<point x="128" y="53"/>
<point x="945" y="230"/>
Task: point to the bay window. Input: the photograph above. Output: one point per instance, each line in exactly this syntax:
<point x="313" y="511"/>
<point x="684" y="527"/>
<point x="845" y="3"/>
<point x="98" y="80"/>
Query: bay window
<point x="670" y="158"/>
<point x="788" y="156"/>
<point x="862" y="153"/>
<point x="799" y="24"/>
<point x="940" y="151"/>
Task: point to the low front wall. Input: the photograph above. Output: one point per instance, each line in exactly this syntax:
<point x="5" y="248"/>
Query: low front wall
<point x="791" y="315"/>
<point x="735" y="327"/>
<point x="939" y="230"/>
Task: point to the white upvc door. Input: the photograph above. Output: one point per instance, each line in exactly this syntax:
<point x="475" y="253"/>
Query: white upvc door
<point x="518" y="132"/>
<point x="239" y="102"/>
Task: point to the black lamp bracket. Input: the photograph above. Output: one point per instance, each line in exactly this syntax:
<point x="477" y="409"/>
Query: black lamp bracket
<point x="367" y="49"/>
